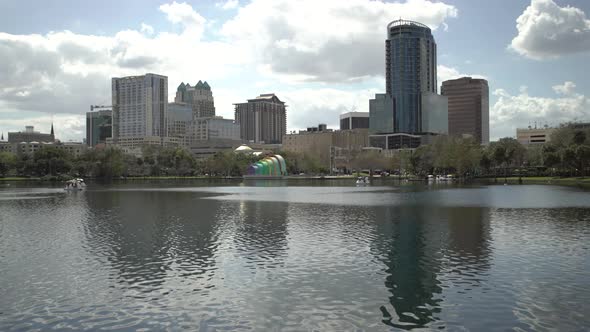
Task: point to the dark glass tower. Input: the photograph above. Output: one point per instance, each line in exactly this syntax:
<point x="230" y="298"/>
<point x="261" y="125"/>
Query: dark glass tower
<point x="410" y="55"/>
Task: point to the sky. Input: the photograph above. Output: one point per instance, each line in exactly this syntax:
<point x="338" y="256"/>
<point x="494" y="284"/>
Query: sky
<point x="322" y="57"/>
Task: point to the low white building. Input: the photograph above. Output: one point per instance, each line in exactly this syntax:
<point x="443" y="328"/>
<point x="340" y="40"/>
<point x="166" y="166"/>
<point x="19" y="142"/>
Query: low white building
<point x="532" y="136"/>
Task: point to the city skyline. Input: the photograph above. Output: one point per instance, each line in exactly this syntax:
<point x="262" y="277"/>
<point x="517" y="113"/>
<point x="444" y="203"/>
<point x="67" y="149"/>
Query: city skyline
<point x="322" y="65"/>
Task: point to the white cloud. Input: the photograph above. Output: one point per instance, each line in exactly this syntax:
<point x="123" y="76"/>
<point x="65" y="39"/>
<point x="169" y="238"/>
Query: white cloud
<point x="517" y="111"/>
<point x="567" y="88"/>
<point x="308" y="106"/>
<point x="546" y="30"/>
<point x="147" y="29"/>
<point x="229" y="4"/>
<point x="68" y="127"/>
<point x="64" y="72"/>
<point x="184" y="14"/>
<point x="329" y="40"/>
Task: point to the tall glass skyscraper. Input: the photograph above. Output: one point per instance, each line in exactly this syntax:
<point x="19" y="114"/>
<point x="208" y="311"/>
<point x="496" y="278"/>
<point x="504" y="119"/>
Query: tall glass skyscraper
<point x="410" y="71"/>
<point x="99" y="126"/>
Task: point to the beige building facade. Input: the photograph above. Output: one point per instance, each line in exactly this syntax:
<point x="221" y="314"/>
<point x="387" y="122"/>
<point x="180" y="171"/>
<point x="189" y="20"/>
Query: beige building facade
<point x="532" y="136"/>
<point x="133" y="145"/>
<point x="203" y="129"/>
<point x="76" y="149"/>
<point x="333" y="149"/>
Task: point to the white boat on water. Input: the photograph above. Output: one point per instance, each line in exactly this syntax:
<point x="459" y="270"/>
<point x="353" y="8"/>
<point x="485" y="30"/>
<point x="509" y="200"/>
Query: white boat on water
<point x="440" y="178"/>
<point x="362" y="181"/>
<point x="75" y="185"/>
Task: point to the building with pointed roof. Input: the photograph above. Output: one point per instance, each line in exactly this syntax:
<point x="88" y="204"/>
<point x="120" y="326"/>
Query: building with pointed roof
<point x="30" y="135"/>
<point x="199" y="97"/>
<point x="262" y="119"/>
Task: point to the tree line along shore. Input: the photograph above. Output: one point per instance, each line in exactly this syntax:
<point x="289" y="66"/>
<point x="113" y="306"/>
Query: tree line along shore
<point x="566" y="155"/>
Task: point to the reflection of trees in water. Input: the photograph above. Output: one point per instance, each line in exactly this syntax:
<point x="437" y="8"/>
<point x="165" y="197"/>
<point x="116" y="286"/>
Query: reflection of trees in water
<point x="262" y="231"/>
<point x="469" y="240"/>
<point x="411" y="241"/>
<point x="148" y="235"/>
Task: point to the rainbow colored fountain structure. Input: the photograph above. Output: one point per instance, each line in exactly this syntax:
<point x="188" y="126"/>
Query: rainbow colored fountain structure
<point x="270" y="167"/>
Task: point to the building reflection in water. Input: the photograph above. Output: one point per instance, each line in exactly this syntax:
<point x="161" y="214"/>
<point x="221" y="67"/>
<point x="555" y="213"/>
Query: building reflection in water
<point x="469" y="241"/>
<point x="414" y="243"/>
<point x="150" y="240"/>
<point x="261" y="232"/>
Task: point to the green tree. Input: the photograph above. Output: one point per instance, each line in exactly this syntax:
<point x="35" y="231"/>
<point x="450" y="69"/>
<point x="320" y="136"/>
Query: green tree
<point x="534" y="155"/>
<point x="583" y="158"/>
<point x="310" y="164"/>
<point x="551" y="157"/>
<point x="110" y="163"/>
<point x="485" y="162"/>
<point x="370" y="160"/>
<point x="507" y="152"/>
<point x="25" y="165"/>
<point x="52" y="161"/>
<point x="7" y="162"/>
<point x="569" y="158"/>
<point x="422" y="160"/>
<point x="579" y="137"/>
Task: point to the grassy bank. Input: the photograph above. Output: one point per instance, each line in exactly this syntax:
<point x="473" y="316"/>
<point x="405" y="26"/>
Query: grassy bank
<point x="19" y="179"/>
<point x="130" y="178"/>
<point x="545" y="180"/>
<point x="569" y="181"/>
<point x="200" y="177"/>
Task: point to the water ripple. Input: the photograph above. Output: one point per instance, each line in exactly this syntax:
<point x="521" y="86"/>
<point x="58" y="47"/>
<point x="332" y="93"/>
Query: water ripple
<point x="292" y="259"/>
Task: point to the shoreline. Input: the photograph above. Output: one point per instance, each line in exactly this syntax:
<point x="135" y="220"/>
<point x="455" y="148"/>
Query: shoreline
<point x="584" y="181"/>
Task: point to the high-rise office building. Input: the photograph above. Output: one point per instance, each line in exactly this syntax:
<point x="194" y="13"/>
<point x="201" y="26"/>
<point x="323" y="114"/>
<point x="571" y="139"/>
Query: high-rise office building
<point x="140" y="104"/>
<point x="410" y="56"/>
<point x="381" y="117"/>
<point x="99" y="126"/>
<point x="179" y="119"/>
<point x="354" y="120"/>
<point x="262" y="119"/>
<point x="469" y="107"/>
<point x="199" y="97"/>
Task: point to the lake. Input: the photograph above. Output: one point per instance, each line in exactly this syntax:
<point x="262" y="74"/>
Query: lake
<point x="291" y="256"/>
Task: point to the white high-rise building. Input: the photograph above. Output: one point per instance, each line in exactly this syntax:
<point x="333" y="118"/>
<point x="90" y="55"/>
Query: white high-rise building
<point x="140" y="106"/>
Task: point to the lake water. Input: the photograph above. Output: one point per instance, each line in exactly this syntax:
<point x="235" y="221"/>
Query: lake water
<point x="296" y="256"/>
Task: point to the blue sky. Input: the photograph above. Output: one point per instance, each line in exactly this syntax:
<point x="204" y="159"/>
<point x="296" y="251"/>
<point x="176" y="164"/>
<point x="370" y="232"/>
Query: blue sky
<point x="323" y="57"/>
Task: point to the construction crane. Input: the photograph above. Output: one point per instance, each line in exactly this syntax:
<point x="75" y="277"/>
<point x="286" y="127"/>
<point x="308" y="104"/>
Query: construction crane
<point x="93" y="107"/>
